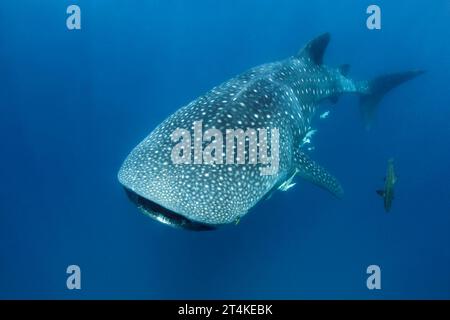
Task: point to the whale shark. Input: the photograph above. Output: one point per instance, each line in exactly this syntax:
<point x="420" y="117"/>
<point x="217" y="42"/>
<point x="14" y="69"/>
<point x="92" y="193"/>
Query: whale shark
<point x="284" y="96"/>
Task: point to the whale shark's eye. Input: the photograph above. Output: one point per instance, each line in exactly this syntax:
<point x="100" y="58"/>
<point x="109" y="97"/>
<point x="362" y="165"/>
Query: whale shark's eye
<point x="164" y="215"/>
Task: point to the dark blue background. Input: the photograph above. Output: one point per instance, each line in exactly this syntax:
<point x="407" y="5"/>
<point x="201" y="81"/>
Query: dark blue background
<point x="74" y="103"/>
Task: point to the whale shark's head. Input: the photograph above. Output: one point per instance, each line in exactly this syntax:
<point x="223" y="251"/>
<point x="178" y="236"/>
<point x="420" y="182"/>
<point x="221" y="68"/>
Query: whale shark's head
<point x="191" y="195"/>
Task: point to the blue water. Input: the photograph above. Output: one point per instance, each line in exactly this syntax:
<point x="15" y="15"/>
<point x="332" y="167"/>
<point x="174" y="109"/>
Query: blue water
<point x="74" y="103"/>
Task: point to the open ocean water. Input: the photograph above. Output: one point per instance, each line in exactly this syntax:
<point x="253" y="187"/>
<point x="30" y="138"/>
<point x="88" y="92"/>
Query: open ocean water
<point x="73" y="103"/>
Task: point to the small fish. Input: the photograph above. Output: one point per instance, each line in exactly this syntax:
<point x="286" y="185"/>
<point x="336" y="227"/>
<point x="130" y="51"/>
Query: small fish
<point x="325" y="115"/>
<point x="310" y="133"/>
<point x="389" y="182"/>
<point x="308" y="136"/>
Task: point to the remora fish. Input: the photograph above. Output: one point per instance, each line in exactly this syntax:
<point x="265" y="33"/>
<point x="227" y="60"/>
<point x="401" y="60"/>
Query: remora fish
<point x="389" y="182"/>
<point x="283" y="95"/>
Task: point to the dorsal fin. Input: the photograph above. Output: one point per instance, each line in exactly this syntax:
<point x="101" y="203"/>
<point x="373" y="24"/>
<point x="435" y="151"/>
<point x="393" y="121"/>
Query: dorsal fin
<point x="315" y="49"/>
<point x="344" y="69"/>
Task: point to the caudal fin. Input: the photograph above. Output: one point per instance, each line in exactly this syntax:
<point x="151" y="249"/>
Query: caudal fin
<point x="377" y="88"/>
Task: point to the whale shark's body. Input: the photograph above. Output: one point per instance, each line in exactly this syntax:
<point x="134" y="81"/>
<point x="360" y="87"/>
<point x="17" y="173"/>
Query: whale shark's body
<point x="282" y="95"/>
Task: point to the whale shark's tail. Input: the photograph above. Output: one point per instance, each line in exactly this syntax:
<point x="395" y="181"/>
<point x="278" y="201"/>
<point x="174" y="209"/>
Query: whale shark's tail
<point x="372" y="91"/>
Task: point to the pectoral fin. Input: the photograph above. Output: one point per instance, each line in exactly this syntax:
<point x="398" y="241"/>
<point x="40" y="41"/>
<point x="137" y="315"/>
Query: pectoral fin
<point x="380" y="193"/>
<point x="309" y="170"/>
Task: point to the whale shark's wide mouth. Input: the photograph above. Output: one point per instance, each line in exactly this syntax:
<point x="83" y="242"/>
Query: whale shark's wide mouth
<point x="164" y="215"/>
